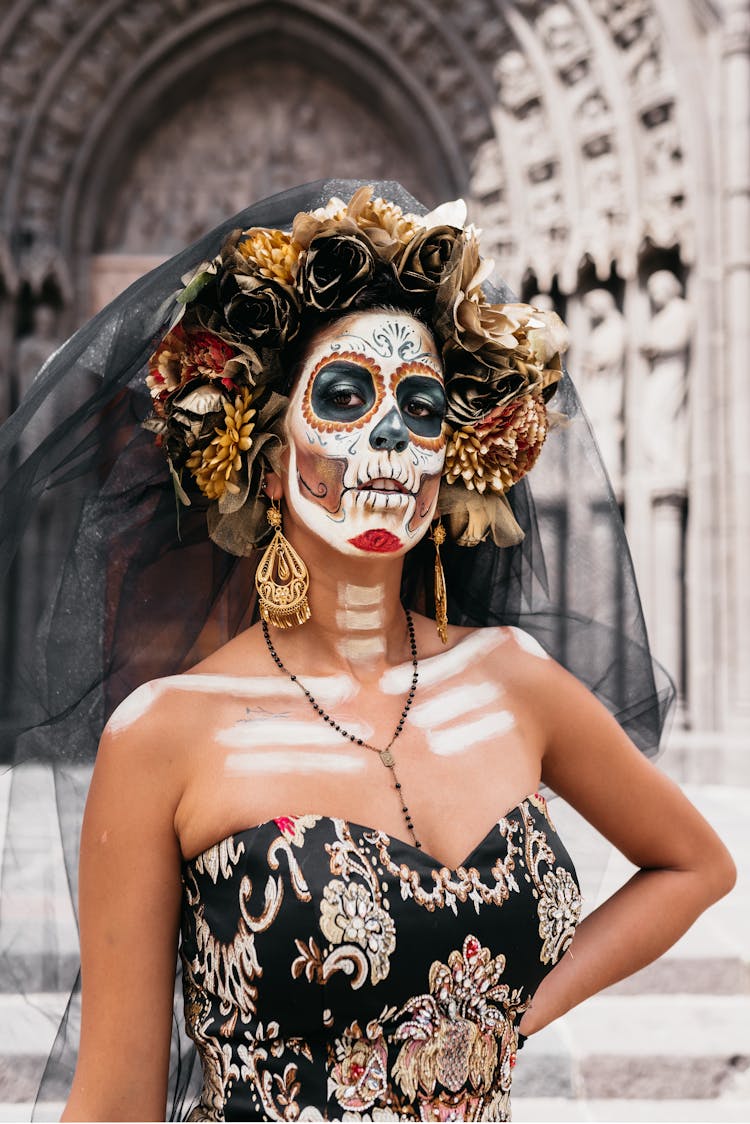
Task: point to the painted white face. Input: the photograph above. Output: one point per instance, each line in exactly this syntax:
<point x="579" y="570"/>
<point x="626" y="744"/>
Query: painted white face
<point x="366" y="434"/>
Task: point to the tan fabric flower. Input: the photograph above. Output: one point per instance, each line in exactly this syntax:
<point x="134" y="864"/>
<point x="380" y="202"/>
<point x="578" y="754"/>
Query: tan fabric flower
<point x="272" y="251"/>
<point x="384" y="223"/>
<point x="459" y="1027"/>
<point x="497" y="452"/>
<point x="216" y="467"/>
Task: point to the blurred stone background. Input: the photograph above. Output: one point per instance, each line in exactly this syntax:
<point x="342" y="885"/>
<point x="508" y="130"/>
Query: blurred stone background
<point x="604" y="148"/>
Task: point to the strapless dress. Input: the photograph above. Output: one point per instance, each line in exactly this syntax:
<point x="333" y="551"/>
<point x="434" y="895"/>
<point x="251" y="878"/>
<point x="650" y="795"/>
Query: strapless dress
<point x="333" y="972"/>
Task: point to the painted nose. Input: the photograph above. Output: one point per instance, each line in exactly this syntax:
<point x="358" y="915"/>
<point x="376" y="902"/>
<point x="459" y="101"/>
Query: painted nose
<point x="390" y="433"/>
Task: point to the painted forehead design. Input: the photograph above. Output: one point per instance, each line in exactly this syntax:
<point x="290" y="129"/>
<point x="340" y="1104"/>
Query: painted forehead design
<point x="393" y="339"/>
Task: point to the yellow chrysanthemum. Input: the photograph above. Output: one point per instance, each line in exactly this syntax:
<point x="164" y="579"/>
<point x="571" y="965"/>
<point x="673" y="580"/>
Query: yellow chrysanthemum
<point x="463" y="459"/>
<point x="217" y="466"/>
<point x="273" y="251"/>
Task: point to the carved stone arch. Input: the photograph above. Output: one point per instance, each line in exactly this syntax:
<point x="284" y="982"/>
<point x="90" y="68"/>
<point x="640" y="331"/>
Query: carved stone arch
<point x="427" y="82"/>
<point x="586" y="136"/>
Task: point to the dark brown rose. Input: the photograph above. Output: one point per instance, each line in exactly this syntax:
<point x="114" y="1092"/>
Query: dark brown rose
<point x="334" y="269"/>
<point x="470" y="396"/>
<point x="472" y="389"/>
<point x="259" y="310"/>
<point x="424" y="258"/>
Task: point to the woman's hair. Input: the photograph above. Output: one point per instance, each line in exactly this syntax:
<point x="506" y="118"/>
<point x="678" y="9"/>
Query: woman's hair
<point x="383" y="294"/>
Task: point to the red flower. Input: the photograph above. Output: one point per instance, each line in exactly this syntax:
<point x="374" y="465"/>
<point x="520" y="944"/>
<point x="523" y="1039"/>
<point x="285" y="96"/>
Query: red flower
<point x="286" y="824"/>
<point x="209" y="352"/>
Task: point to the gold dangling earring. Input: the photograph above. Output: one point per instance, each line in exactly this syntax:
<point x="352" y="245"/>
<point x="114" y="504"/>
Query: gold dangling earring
<point x="282" y="579"/>
<point x="441" y="598"/>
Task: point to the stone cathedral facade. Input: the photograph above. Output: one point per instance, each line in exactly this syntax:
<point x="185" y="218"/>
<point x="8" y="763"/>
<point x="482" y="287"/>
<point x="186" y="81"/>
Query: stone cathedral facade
<point x="604" y="146"/>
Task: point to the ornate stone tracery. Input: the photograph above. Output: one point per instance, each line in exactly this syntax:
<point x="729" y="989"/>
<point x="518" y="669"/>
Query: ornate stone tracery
<point x="514" y="84"/>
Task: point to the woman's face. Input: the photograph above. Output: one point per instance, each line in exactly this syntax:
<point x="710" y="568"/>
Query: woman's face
<point x="366" y="436"/>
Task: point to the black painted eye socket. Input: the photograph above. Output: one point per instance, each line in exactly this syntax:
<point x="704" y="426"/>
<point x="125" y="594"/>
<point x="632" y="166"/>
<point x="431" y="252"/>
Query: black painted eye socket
<point x="342" y="391"/>
<point x="422" y="403"/>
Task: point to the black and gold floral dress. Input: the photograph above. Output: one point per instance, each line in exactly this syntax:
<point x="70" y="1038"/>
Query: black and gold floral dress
<point x="335" y="973"/>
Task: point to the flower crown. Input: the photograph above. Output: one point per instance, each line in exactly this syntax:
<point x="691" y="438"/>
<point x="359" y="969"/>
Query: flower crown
<point x="217" y="377"/>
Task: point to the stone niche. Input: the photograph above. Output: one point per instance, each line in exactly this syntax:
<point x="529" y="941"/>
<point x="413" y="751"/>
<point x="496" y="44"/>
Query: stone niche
<point x="246" y="133"/>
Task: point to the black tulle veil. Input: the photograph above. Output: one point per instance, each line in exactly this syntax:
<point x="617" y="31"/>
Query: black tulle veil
<point x="136" y="597"/>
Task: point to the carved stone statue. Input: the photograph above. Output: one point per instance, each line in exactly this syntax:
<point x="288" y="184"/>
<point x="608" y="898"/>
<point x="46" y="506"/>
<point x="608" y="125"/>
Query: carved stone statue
<point x="602" y="367"/>
<point x="516" y="81"/>
<point x="562" y="34"/>
<point x="664" y="430"/>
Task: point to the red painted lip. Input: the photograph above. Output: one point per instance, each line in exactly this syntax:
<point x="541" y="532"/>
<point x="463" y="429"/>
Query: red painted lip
<point x="378" y="541"/>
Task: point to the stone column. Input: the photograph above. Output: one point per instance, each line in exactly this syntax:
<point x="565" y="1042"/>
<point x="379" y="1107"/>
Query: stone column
<point x="736" y="326"/>
<point x="661" y="455"/>
<point x="668" y="582"/>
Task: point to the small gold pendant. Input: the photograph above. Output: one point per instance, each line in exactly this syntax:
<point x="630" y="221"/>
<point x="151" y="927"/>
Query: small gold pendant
<point x="387" y="758"/>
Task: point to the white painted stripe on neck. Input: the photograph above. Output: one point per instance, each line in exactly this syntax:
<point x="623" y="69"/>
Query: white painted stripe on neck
<point x="444" y="665"/>
<point x="359" y="596"/>
<point x="365" y="620"/>
<point x="362" y="649"/>
<point x="459" y="739"/>
<point x="444" y="706"/>
<point x="277" y="762"/>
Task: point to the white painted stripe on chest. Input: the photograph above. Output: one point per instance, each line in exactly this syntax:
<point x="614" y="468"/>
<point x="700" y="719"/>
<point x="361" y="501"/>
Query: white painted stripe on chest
<point x="460" y="738"/>
<point x="443" y="666"/>
<point x="529" y="644"/>
<point x="444" y="706"/>
<point x="331" y="689"/>
<point x="277" y="762"/>
<point x="282" y="731"/>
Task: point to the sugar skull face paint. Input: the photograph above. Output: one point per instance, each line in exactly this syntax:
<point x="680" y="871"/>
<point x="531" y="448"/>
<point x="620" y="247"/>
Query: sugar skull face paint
<point x="366" y="434"/>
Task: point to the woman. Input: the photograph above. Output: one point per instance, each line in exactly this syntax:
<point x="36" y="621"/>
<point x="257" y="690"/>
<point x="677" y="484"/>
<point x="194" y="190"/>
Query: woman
<point x="307" y="802"/>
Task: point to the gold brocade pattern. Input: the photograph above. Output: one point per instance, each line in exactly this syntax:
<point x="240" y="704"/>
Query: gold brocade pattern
<point x="332" y="972"/>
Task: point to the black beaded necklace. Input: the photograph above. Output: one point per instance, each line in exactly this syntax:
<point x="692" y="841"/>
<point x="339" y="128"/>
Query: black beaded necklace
<point x="385" y="755"/>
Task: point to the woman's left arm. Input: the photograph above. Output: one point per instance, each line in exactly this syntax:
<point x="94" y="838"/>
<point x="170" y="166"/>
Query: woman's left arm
<point x="684" y="866"/>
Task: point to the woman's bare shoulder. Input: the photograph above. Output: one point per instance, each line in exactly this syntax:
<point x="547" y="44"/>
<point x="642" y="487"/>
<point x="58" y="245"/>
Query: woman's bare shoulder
<point x="518" y="658"/>
<point x="169" y="705"/>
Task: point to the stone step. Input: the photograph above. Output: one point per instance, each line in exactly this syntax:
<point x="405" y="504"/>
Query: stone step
<point x="612" y="1048"/>
<point x="546" y="1109"/>
<point x="11" y="1113"/>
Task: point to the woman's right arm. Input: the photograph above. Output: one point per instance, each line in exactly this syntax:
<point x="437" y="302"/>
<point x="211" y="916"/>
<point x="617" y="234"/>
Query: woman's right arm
<point x="129" y="897"/>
